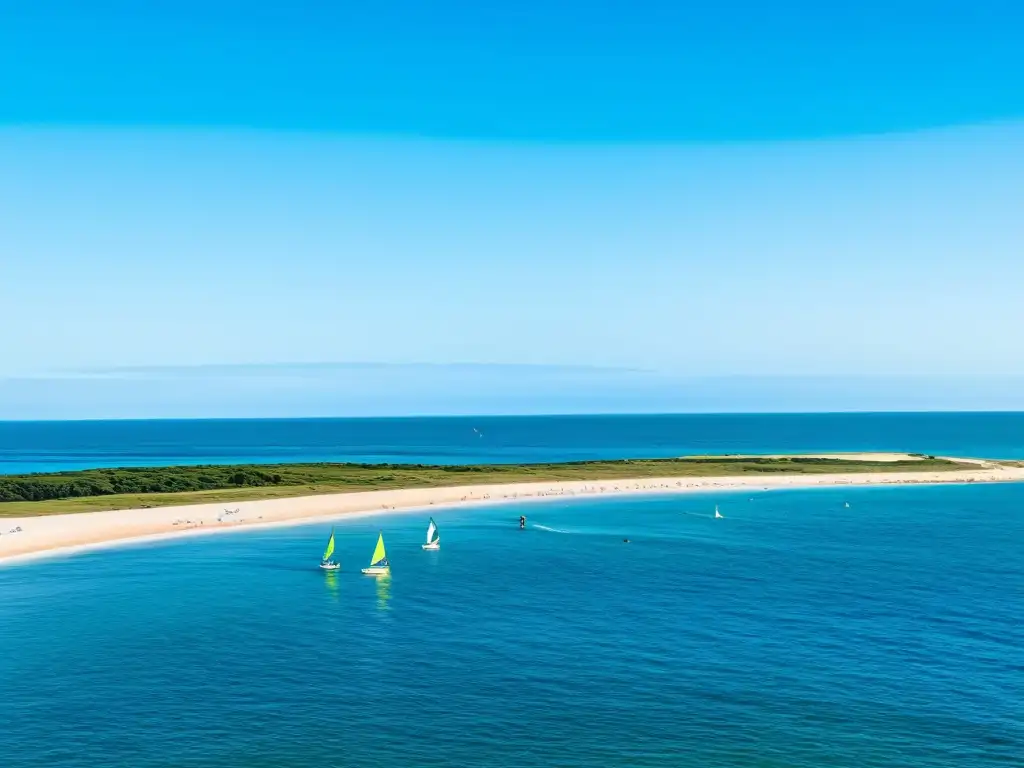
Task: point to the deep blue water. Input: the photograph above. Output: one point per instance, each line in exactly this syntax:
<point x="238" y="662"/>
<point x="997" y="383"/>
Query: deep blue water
<point x="49" y="446"/>
<point x="794" y="633"/>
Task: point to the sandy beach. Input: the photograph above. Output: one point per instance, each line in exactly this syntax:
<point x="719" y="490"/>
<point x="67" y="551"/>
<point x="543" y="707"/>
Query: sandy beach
<point x="26" y="538"/>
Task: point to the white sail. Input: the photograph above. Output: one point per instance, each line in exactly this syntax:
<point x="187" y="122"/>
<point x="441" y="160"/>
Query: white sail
<point x="432" y="534"/>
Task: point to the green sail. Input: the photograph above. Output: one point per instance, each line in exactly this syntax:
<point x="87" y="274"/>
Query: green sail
<point x="330" y="547"/>
<point x="378" y="553"/>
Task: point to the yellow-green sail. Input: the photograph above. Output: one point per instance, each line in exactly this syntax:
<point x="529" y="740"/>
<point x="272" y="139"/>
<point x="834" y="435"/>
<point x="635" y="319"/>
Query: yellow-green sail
<point x="330" y="547"/>
<point x="379" y="556"/>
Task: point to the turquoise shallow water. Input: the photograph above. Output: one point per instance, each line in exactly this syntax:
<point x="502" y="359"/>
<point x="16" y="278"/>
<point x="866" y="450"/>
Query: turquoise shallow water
<point x="796" y="632"/>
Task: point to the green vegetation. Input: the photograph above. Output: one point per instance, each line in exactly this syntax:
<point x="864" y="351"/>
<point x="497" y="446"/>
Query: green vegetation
<point x="94" y="489"/>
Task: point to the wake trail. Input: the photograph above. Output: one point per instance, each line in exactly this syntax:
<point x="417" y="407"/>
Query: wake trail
<point x="712" y="517"/>
<point x="540" y="527"/>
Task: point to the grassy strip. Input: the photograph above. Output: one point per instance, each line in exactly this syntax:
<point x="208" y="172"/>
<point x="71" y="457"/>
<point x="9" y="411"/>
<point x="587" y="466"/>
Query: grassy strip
<point x="126" y="488"/>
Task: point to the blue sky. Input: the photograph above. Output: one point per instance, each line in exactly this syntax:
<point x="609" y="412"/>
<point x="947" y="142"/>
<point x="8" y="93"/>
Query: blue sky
<point x="647" y="196"/>
<point x="552" y="71"/>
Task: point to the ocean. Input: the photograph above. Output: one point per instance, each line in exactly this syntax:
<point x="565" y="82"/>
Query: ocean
<point x="797" y="632"/>
<point x="68" y="445"/>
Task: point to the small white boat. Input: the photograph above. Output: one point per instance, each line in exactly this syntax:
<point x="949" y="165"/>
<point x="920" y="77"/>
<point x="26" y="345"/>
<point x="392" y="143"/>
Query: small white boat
<point x="379" y="565"/>
<point x="847" y="505"/>
<point x="718" y="515"/>
<point x="433" y="537"/>
<point x="325" y="562"/>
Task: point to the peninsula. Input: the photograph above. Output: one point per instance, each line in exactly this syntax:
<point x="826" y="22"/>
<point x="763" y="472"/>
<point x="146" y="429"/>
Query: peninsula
<point x="62" y="512"/>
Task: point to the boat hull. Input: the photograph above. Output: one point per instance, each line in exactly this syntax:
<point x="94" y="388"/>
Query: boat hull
<point x="329" y="566"/>
<point x="435" y="545"/>
<point x="376" y="571"/>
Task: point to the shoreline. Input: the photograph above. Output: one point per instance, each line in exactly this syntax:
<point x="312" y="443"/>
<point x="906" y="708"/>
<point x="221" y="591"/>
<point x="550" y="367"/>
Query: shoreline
<point x="47" y="536"/>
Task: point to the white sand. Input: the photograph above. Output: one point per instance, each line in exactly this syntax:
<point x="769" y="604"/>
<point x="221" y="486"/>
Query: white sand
<point x="64" y="534"/>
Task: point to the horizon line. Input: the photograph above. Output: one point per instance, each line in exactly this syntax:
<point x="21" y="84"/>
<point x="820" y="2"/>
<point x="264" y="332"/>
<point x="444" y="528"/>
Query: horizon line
<point x="463" y="417"/>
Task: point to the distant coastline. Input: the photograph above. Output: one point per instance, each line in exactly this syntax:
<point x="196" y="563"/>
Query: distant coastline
<point x="30" y="536"/>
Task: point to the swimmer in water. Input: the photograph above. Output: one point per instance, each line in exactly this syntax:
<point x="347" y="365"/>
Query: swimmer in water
<point x="522" y="522"/>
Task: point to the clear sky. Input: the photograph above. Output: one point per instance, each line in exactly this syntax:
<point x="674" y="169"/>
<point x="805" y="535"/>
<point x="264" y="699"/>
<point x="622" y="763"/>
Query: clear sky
<point x="736" y="189"/>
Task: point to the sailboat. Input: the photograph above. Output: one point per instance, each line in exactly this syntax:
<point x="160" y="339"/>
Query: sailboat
<point x="325" y="562"/>
<point x="379" y="565"/>
<point x="718" y="515"/>
<point x="433" y="537"/>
